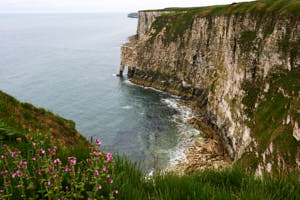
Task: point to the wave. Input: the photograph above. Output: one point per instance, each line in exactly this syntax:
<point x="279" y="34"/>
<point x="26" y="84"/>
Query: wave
<point x="126" y="107"/>
<point x="187" y="132"/>
<point x="128" y="82"/>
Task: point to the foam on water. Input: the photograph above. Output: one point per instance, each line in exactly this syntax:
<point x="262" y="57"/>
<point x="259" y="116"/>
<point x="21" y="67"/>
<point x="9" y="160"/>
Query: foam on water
<point x="150" y="88"/>
<point x="126" y="107"/>
<point x="187" y="132"/>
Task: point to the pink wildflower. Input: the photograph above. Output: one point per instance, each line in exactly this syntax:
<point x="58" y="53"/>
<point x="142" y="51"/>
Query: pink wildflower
<point x="111" y="181"/>
<point x="98" y="142"/>
<point x="2" y="156"/>
<point x="87" y="160"/>
<point x="108" y="176"/>
<point x="104" y="169"/>
<point x="57" y="160"/>
<point x="97" y="153"/>
<point x="33" y="159"/>
<point x="66" y="169"/>
<point x="1" y="191"/>
<point x="108" y="157"/>
<point x="34" y="144"/>
<point x="24" y="163"/>
<point x="42" y="151"/>
<point x="116" y="191"/>
<point x="13" y="154"/>
<point x="99" y="187"/>
<point x="67" y="187"/>
<point x="47" y="183"/>
<point x="13" y="175"/>
<point x="72" y="160"/>
<point x="96" y="172"/>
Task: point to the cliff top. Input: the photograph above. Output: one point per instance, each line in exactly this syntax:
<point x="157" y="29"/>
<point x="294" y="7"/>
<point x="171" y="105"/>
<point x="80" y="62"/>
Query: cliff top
<point x="177" y="23"/>
<point x="260" y="6"/>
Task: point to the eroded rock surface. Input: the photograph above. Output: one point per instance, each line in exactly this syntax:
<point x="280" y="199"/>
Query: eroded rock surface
<point x="242" y="70"/>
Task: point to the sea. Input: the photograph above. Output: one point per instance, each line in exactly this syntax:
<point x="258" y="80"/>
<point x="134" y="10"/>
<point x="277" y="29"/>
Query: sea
<point x="66" y="63"/>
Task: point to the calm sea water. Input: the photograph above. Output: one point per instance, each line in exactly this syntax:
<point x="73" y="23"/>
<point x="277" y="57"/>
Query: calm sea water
<point x="65" y="62"/>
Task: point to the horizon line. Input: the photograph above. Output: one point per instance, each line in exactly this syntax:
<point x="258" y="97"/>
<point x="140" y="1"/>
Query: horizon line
<point x="62" y="12"/>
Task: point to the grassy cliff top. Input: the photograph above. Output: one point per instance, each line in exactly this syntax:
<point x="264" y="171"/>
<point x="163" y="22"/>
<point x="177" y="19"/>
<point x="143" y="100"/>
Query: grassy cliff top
<point x="19" y="122"/>
<point x="178" y="22"/>
<point x="260" y="6"/>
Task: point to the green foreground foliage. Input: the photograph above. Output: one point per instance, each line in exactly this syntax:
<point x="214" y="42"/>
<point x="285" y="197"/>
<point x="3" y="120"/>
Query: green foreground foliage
<point x="41" y="171"/>
<point x="42" y="156"/>
<point x="232" y="183"/>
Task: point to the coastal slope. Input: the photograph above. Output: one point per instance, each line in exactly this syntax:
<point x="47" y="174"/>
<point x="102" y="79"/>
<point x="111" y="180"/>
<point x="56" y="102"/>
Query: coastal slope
<point x="25" y="121"/>
<point x="240" y="65"/>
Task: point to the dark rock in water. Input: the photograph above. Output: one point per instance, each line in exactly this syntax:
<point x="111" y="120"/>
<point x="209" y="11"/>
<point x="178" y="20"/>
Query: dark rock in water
<point x="133" y="15"/>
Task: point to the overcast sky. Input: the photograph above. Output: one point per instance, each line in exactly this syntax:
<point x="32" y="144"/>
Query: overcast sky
<point x="100" y="5"/>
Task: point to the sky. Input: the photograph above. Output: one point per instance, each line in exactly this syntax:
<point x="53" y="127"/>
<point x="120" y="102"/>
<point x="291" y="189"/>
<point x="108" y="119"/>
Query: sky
<point x="100" y="5"/>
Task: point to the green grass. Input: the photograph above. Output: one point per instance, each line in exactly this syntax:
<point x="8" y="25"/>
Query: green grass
<point x="181" y="19"/>
<point x="231" y="183"/>
<point x="28" y="120"/>
<point x="259" y="6"/>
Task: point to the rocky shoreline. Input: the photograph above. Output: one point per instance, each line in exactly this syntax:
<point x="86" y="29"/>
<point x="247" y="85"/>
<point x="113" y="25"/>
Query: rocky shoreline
<point x="206" y="152"/>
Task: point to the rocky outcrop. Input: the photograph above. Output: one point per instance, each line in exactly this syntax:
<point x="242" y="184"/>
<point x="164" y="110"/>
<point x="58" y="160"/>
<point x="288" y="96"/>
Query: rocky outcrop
<point x="128" y="50"/>
<point x="242" y="69"/>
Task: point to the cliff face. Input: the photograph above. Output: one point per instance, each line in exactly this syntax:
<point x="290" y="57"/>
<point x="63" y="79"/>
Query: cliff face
<point x="145" y="21"/>
<point x="241" y="68"/>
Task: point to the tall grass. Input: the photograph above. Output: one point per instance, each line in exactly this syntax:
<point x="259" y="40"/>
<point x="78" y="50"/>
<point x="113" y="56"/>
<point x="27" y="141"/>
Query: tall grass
<point x="232" y="183"/>
<point x="34" y="174"/>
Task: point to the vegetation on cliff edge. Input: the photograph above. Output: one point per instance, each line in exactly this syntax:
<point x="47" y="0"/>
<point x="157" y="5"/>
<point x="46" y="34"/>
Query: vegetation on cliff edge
<point x="42" y="156"/>
<point x="272" y="114"/>
<point x="177" y="23"/>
